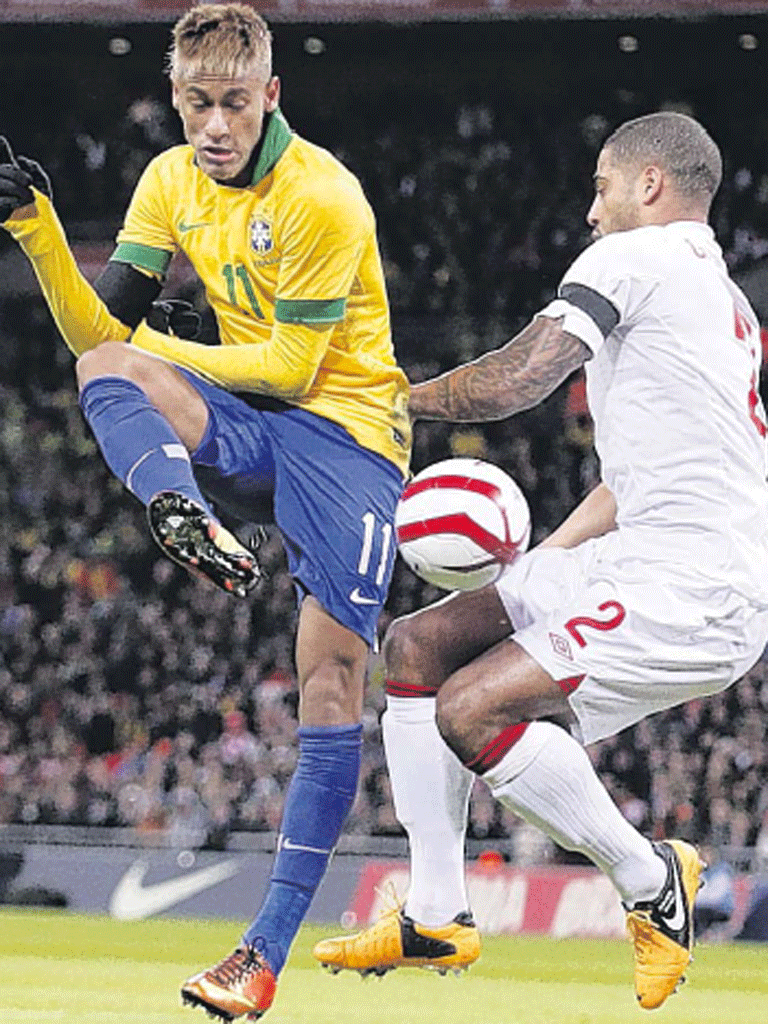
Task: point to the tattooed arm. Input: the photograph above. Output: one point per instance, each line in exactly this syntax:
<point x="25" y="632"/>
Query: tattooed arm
<point x="514" y="377"/>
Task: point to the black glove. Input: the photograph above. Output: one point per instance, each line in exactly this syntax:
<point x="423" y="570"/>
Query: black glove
<point x="174" y="316"/>
<point x="17" y="174"/>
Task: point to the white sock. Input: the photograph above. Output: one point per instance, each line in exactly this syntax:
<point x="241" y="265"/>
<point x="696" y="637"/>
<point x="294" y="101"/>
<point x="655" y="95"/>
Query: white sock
<point x="431" y="788"/>
<point x="548" y="779"/>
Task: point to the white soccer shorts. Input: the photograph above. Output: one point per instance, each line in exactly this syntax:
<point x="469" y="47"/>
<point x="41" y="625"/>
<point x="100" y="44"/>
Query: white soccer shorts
<point x="626" y="637"/>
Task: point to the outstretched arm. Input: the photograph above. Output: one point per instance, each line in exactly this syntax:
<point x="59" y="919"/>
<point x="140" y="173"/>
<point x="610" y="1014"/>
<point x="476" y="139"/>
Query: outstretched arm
<point x="122" y="295"/>
<point x="592" y="517"/>
<point x="27" y="214"/>
<point x="81" y="316"/>
<point x="514" y="377"/>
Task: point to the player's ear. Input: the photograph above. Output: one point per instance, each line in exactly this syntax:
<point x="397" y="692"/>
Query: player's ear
<point x="272" y="94"/>
<point x="174" y="95"/>
<point x="651" y="181"/>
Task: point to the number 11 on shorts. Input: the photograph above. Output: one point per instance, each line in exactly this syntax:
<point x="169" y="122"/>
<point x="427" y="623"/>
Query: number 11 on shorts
<point x="366" y="554"/>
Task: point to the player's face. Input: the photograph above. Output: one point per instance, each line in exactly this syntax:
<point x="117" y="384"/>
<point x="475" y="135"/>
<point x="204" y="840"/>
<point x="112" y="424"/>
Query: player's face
<point x="223" y="119"/>
<point x="616" y="206"/>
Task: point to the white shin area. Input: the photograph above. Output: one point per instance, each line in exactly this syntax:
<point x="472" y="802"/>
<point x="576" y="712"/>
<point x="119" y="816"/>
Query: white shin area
<point x="548" y="779"/>
<point x="430" y="788"/>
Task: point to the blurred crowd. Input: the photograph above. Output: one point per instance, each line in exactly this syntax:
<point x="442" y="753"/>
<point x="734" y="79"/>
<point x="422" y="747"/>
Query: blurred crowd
<point x="131" y="694"/>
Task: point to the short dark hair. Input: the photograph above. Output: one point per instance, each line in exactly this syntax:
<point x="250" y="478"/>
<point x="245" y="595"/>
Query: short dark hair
<point x="679" y="144"/>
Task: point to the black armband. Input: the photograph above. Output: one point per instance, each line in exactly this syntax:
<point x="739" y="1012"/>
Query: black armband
<point x="127" y="293"/>
<point x="600" y="310"/>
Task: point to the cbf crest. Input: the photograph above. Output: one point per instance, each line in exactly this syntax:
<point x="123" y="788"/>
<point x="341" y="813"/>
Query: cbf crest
<point x="261" y="236"/>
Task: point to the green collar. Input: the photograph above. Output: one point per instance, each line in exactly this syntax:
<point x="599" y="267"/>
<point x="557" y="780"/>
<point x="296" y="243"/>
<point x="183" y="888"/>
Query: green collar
<point x="274" y="143"/>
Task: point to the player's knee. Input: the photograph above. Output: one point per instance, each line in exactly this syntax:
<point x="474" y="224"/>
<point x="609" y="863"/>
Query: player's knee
<point x="410" y="652"/>
<point x="454" y="713"/>
<point x="401" y="648"/>
<point x="111" y="358"/>
<point x="331" y="693"/>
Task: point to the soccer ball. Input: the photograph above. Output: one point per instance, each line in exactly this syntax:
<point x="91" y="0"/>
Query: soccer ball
<point x="461" y="522"/>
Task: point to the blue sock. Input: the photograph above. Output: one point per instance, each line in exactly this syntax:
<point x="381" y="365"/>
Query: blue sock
<point x="317" y="804"/>
<point x="137" y="442"/>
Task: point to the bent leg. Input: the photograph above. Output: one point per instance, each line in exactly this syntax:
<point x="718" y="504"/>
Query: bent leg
<point x="487" y="713"/>
<point x="539" y="771"/>
<point x="168" y="390"/>
<point x="331" y="662"/>
<point x="147" y="418"/>
<point x="497" y="691"/>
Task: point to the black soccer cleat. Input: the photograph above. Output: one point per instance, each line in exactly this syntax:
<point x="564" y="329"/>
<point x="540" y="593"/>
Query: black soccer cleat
<point x="191" y="537"/>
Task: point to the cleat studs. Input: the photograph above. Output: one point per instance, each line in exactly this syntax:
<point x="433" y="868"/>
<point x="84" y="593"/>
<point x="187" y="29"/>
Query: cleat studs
<point x="333" y="969"/>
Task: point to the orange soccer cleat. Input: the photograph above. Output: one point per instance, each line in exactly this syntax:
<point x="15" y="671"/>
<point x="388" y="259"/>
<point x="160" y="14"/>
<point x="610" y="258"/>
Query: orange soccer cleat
<point x="241" y="983"/>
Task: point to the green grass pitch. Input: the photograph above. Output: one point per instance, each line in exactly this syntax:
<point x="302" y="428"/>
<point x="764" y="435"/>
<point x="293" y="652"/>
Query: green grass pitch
<point x="61" y="968"/>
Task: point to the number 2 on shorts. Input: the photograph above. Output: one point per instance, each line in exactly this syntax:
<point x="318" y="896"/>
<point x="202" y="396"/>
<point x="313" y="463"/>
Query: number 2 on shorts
<point x="587" y="622"/>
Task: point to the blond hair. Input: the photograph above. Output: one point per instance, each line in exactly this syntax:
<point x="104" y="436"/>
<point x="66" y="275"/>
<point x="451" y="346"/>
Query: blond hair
<point x="678" y="144"/>
<point x="221" y="40"/>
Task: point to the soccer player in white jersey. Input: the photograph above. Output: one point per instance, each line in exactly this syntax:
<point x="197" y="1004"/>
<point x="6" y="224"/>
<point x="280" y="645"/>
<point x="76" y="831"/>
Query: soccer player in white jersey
<point x="653" y="592"/>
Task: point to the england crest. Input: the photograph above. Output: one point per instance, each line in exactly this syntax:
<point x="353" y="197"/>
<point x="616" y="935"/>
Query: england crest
<point x="261" y="236"/>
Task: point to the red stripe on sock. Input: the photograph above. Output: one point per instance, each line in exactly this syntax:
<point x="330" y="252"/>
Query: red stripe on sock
<point x="395" y="689"/>
<point x="491" y="754"/>
<point x="570" y="684"/>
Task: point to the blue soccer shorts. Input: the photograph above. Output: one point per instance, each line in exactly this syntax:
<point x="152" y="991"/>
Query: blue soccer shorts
<point x="332" y="500"/>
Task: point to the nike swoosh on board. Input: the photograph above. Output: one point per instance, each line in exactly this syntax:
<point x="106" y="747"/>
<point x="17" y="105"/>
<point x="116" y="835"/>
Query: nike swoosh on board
<point x="133" y="901"/>
<point x="357" y="598"/>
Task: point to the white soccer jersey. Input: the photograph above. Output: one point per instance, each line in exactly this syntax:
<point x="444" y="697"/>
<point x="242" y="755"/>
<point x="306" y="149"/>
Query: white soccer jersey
<point x="672" y="387"/>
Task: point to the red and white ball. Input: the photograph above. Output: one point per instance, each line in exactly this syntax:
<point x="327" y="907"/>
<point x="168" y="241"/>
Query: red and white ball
<point x="461" y="522"/>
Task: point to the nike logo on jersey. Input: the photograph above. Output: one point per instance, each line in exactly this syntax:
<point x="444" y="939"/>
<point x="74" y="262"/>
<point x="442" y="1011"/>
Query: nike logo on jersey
<point x="133" y="901"/>
<point x="284" y="843"/>
<point x="183" y="226"/>
<point x="357" y="598"/>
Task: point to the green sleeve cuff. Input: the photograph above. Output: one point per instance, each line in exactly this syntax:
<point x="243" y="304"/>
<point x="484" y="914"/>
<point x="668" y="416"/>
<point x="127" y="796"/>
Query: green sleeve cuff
<point x="143" y="256"/>
<point x="310" y="311"/>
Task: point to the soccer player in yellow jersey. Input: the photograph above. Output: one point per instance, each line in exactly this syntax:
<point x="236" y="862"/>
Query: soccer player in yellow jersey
<point x="302" y="399"/>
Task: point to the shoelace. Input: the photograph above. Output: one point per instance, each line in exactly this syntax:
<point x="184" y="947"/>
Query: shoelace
<point x="393" y="904"/>
<point x="234" y="967"/>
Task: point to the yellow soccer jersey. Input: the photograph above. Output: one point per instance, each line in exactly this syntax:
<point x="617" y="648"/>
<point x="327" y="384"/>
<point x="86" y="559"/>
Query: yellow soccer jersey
<point x="291" y="268"/>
